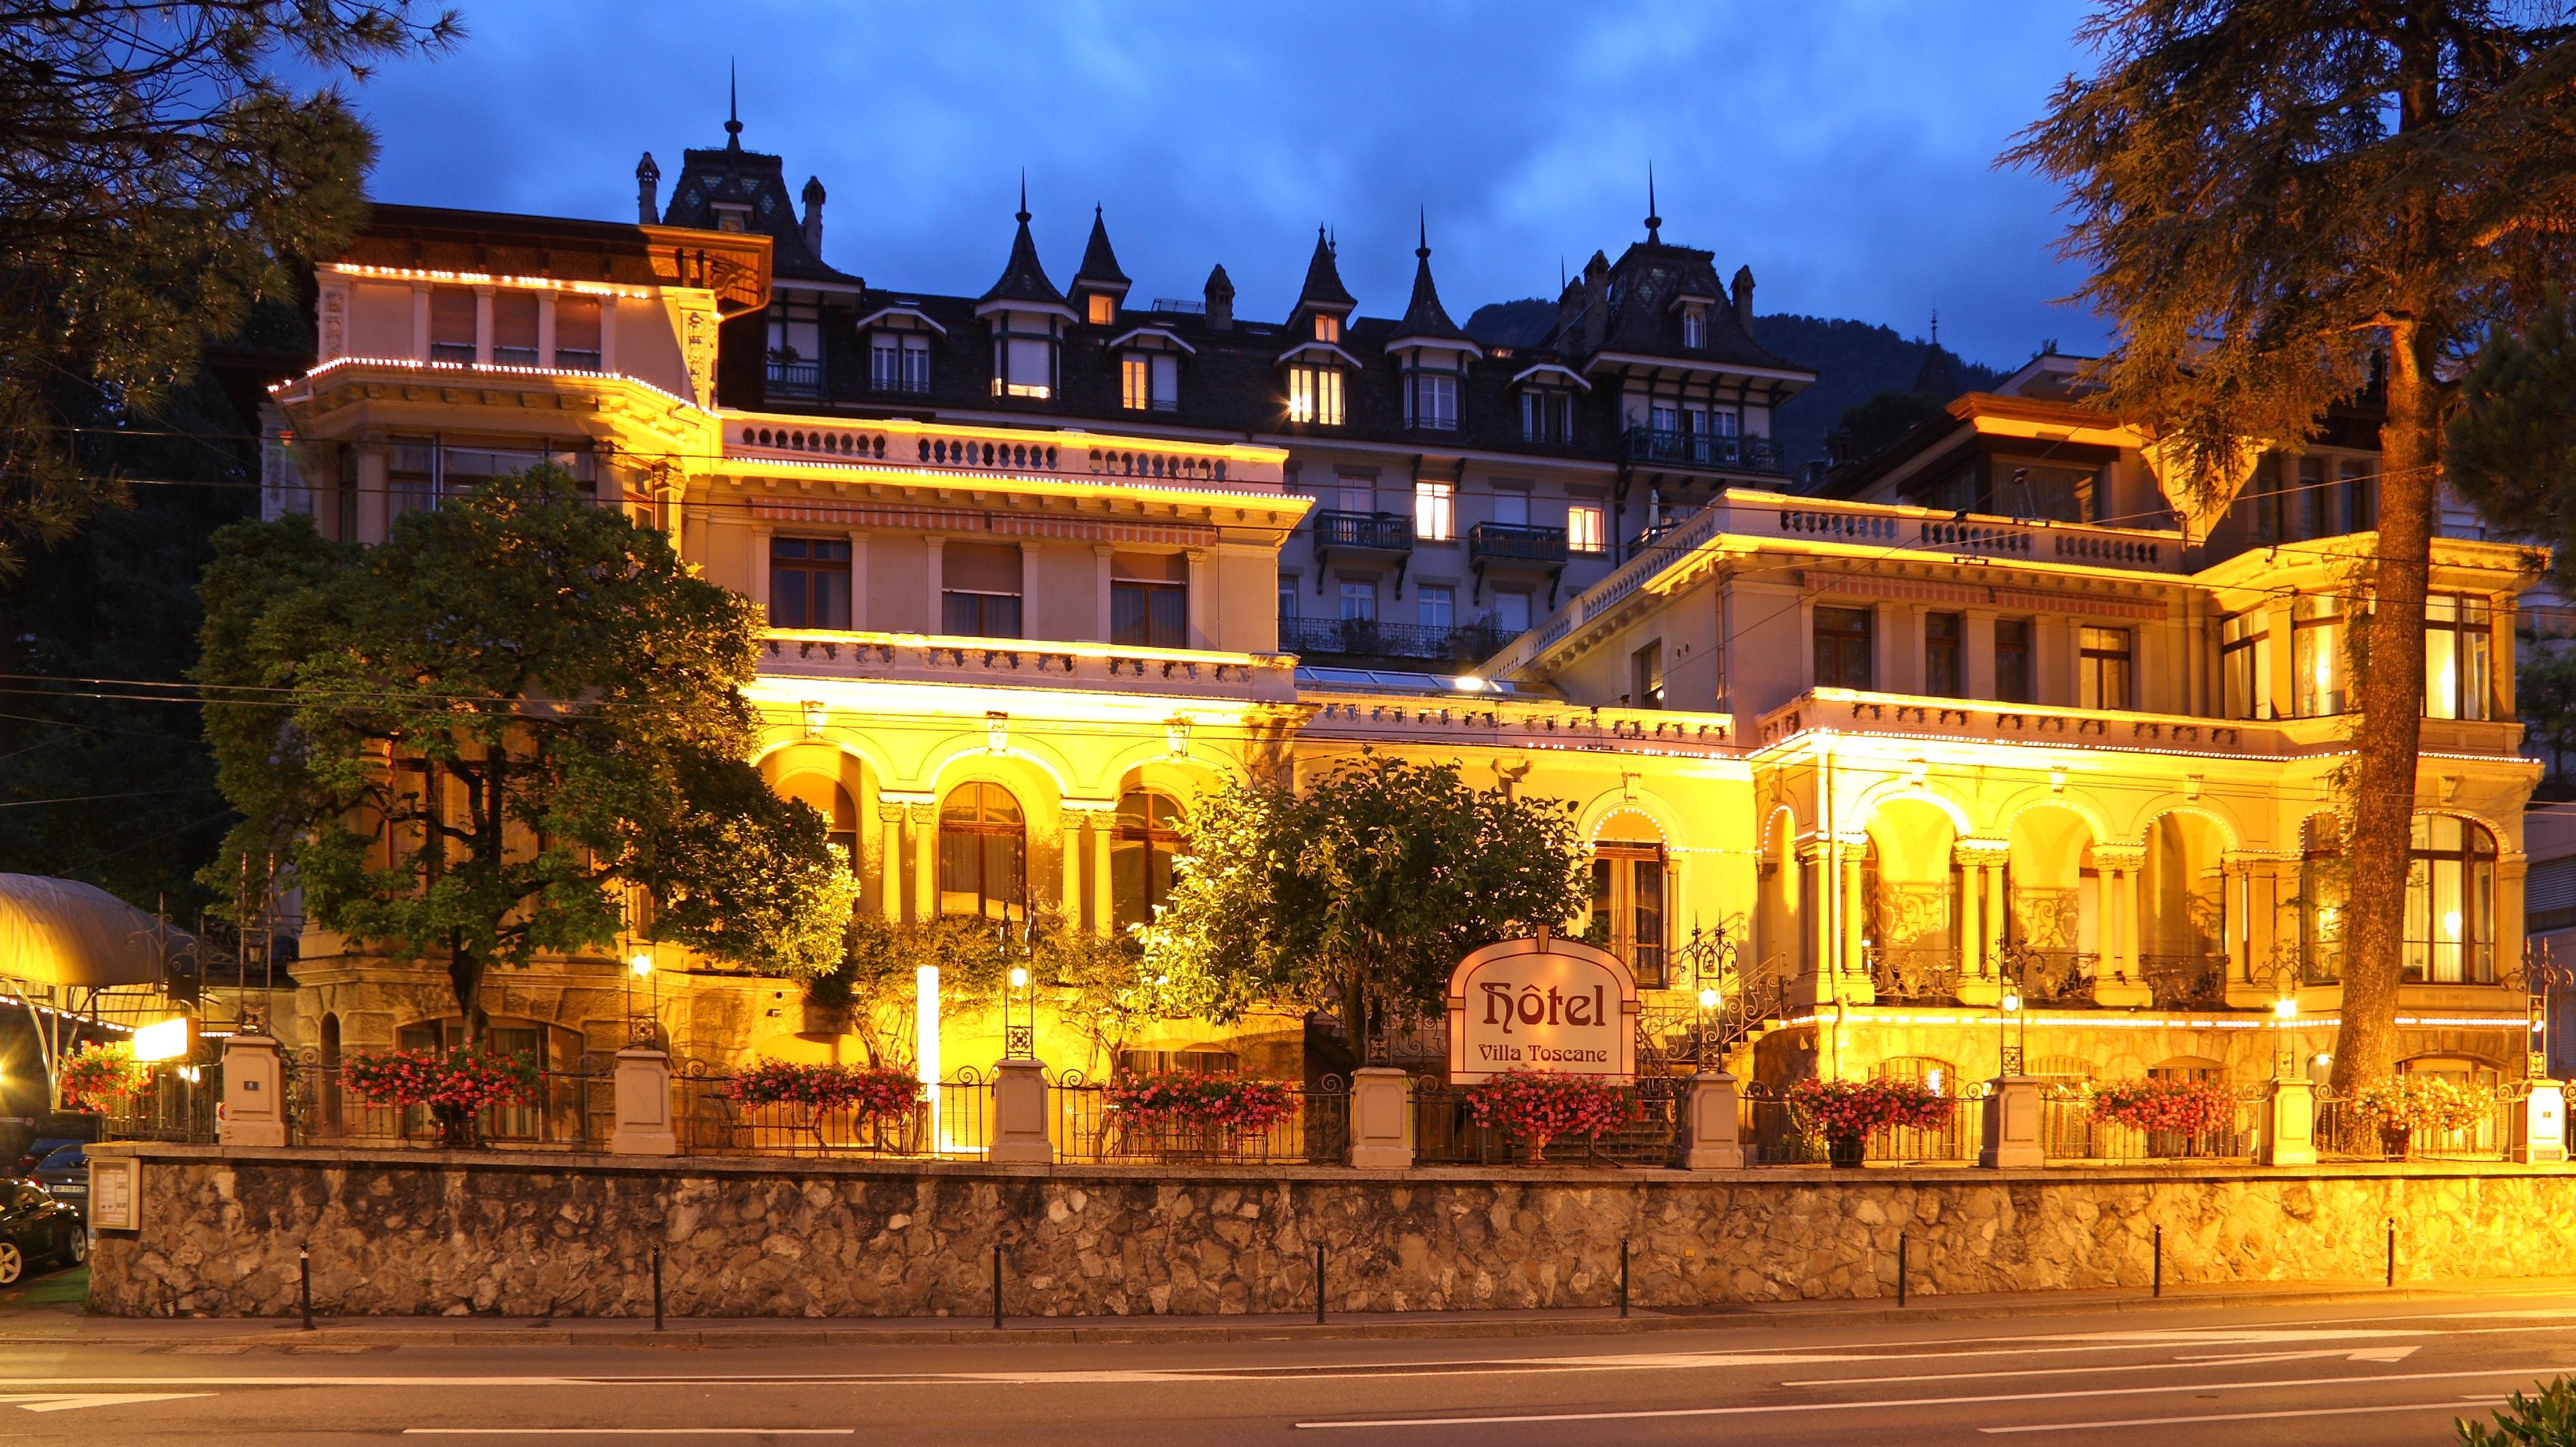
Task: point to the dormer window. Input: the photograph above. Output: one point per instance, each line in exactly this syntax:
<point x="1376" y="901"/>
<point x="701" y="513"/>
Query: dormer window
<point x="1149" y="381"/>
<point x="1100" y="309"/>
<point x="732" y="217"/>
<point x="1694" y="327"/>
<point x="1431" y="400"/>
<point x="899" y="361"/>
<point x="1024" y="354"/>
<point x="1328" y="328"/>
<point x="1315" y="394"/>
<point x="1547" y="415"/>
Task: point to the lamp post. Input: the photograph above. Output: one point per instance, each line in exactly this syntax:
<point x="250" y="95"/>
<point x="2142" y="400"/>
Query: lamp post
<point x="2009" y="1051"/>
<point x="648" y="1030"/>
<point x="2285" y="1019"/>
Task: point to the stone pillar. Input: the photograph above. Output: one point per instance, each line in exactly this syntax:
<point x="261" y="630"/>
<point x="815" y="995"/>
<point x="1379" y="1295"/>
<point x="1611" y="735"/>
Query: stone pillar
<point x="375" y="505"/>
<point x="1068" y="840"/>
<point x="1197" y="602"/>
<point x="1380" y="1140"/>
<point x="1020" y="1115"/>
<point x="483" y="326"/>
<point x="2012" y="1125"/>
<point x="1708" y="1138"/>
<point x="1980" y="974"/>
<point x="890" y="862"/>
<point x="924" y="819"/>
<point x="2119" y="985"/>
<point x="2290" y="1125"/>
<point x="643" y="1105"/>
<point x="254" y="1112"/>
<point x="2540" y="1126"/>
<point x="1103" y="908"/>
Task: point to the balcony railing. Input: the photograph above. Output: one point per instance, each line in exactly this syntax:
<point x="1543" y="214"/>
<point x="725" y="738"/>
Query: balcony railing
<point x="1914" y="974"/>
<point x="804" y="379"/>
<point x="1369" y="637"/>
<point x="1516" y="543"/>
<point x="2185" y="981"/>
<point x="2053" y="977"/>
<point x="1373" y="532"/>
<point x="1702" y="449"/>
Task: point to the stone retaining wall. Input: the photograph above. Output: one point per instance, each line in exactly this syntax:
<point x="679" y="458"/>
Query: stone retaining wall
<point x="416" y="1233"/>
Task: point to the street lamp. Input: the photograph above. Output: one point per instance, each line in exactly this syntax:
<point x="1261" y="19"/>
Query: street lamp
<point x="2008" y="1052"/>
<point x="2285" y="1016"/>
<point x="1707" y="1008"/>
<point x="643" y="1031"/>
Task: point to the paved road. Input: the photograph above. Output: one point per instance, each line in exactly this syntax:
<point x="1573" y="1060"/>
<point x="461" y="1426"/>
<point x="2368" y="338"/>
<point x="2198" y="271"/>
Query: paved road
<point x="2350" y="1376"/>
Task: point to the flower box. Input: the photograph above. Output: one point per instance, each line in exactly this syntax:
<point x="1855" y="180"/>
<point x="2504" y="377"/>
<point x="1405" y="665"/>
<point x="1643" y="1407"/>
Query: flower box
<point x="1847" y="1112"/>
<point x="1536" y="1106"/>
<point x="456" y="1086"/>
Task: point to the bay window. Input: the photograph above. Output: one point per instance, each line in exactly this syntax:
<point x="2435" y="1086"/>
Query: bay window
<point x="2450" y="902"/>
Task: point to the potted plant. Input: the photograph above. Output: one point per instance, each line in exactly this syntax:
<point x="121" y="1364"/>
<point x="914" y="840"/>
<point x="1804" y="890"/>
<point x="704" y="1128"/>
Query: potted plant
<point x="1538" y="1106"/>
<point x="98" y="1076"/>
<point x="2404" y="1104"/>
<point x="2167" y="1111"/>
<point x="874" y="1097"/>
<point x="456" y="1085"/>
<point x="1845" y="1112"/>
<point x="1212" y="1111"/>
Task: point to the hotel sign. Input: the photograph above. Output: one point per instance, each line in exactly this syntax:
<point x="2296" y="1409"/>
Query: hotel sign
<point x="1541" y="1004"/>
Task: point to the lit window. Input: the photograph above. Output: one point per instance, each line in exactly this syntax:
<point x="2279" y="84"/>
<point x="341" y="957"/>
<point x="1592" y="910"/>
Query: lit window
<point x="1103" y="309"/>
<point x="1435" y="511"/>
<point x="2450" y="902"/>
<point x="1023" y="363"/>
<point x="1433" y="401"/>
<point x="1585" y="525"/>
<point x="1135" y="384"/>
<point x="1327" y="328"/>
<point x="1144" y="847"/>
<point x="1315" y="395"/>
<point x="2245" y="664"/>
<point x="1149" y="380"/>
<point x="2316" y="656"/>
<point x="983" y="853"/>
<point x="2457" y="647"/>
<point x="1628" y="879"/>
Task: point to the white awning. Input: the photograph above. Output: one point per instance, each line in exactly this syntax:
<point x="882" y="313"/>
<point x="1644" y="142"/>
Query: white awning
<point x="64" y="932"/>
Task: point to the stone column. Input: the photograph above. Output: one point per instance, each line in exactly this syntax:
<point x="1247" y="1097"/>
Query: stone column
<point x="924" y="819"/>
<point x="1103" y="908"/>
<point x="1020" y="1115"/>
<point x="1854" y="962"/>
<point x="1201" y="581"/>
<point x="1068" y="837"/>
<point x="890" y="861"/>
<point x="483" y="326"/>
<point x="1708" y="1138"/>
<point x="643" y="1105"/>
<point x="2540" y="1127"/>
<point x="2290" y="1125"/>
<point x="254" y="1093"/>
<point x="2118" y="985"/>
<point x="374" y="505"/>
<point x="2012" y="1125"/>
<point x="1979" y="972"/>
<point x="1379" y="1138"/>
<point x="1104" y="585"/>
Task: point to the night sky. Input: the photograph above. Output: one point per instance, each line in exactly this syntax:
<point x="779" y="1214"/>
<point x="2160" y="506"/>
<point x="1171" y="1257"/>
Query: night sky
<point x="1844" y="150"/>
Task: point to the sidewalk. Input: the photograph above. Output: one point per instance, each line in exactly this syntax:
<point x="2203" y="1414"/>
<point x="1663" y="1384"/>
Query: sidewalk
<point x="50" y="1311"/>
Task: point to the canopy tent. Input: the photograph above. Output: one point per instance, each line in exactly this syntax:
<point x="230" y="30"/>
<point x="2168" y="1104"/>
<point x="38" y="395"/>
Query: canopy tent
<point x="66" y="934"/>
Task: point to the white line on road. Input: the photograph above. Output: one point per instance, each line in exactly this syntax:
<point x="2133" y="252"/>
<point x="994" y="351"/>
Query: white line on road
<point x="2243" y="1416"/>
<point x="2367" y="1354"/>
<point x="72" y="1402"/>
<point x="1778" y="1407"/>
<point x="630" y="1431"/>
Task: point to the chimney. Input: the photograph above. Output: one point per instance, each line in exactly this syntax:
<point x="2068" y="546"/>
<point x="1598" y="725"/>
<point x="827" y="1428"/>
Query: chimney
<point x="814" y="216"/>
<point x="1220" y="301"/>
<point x="1596" y="301"/>
<point x="1742" y="292"/>
<point x="648" y="187"/>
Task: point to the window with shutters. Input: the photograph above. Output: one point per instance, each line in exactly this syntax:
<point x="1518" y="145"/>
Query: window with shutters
<point x="577" y="333"/>
<point x="514" y="328"/>
<point x="1149" y="600"/>
<point x="451" y="324"/>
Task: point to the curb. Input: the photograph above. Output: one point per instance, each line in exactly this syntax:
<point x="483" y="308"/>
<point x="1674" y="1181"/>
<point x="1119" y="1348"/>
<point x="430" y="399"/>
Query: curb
<point x="286" y="1335"/>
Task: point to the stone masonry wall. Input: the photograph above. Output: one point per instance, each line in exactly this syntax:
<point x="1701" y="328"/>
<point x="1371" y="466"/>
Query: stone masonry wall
<point x="427" y="1234"/>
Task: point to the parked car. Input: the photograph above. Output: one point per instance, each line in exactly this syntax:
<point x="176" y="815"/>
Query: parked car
<point x="36" y="1151"/>
<point x="65" y="1173"/>
<point x="36" y="1227"/>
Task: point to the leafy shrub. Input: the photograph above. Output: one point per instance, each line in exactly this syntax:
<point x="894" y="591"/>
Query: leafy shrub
<point x="2548" y="1420"/>
<point x="1539" y="1106"/>
<point x="2419" y="1102"/>
<point x="1206" y="1102"/>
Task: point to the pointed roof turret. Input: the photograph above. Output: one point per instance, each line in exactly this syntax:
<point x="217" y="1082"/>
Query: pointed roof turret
<point x="1323" y="290"/>
<point x="1099" y="263"/>
<point x="1425" y="320"/>
<point x="1023" y="281"/>
<point x="1654" y="222"/>
<point x="733" y="109"/>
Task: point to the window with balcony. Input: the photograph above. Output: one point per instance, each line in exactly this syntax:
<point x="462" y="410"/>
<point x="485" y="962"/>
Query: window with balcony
<point x="1149" y="600"/>
<point x="795" y="345"/>
<point x="577" y="333"/>
<point x="1149" y="381"/>
<point x="1431" y="401"/>
<point x="1646" y="676"/>
<point x="1436" y="605"/>
<point x="2245" y="664"/>
<point x="1435" y="511"/>
<point x="1945" y="670"/>
<point x="2317" y="681"/>
<point x="1024" y="354"/>
<point x="899" y="362"/>
<point x="1843" y="648"/>
<point x="983" y="853"/>
<point x="1315" y="395"/>
<point x="2458" y="649"/>
<point x="2104" y="668"/>
<point x="1587" y="528"/>
<point x="1511" y="506"/>
<point x="2450" y="902"/>
<point x="1359" y="601"/>
<point x="451" y="324"/>
<point x="514" y="328"/>
<point x="809" y="582"/>
<point x="980" y="590"/>
<point x="1547" y="415"/>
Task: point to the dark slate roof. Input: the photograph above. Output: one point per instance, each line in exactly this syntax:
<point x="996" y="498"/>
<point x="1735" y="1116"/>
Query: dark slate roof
<point x="1423" y="314"/>
<point x="1024" y="278"/>
<point x="1099" y="263"/>
<point x="757" y="180"/>
<point x="1642" y="320"/>
<point x="1323" y="288"/>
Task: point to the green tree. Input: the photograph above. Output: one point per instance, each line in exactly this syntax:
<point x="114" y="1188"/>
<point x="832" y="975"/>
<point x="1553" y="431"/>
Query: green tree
<point x="1360" y="894"/>
<point x="2285" y="206"/>
<point x="1867" y="427"/>
<point x="2511" y="446"/>
<point x="474" y="742"/>
<point x="161" y="167"/>
<point x="2545" y="688"/>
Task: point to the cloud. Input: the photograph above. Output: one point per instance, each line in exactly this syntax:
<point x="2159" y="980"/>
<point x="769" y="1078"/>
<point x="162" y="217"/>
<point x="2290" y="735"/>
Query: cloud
<point x="1843" y="150"/>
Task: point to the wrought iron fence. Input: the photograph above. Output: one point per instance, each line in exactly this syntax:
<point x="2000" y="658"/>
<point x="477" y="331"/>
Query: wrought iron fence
<point x="2069" y="1131"/>
<point x="2344" y="1132"/>
<point x="1086" y="1128"/>
<point x="572" y="1110"/>
<point x="1926" y="974"/>
<point x="2057" y="977"/>
<point x="954" y="1120"/>
<point x="2185" y="981"/>
<point x="178" y="1106"/>
<point x="1782" y="1133"/>
<point x="1445" y="1131"/>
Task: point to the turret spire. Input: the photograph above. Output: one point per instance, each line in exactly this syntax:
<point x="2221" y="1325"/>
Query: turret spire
<point x="733" y="108"/>
<point x="1654" y="223"/>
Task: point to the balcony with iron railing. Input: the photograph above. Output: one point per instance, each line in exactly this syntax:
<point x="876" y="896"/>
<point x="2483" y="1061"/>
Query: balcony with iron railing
<point x="795" y="377"/>
<point x="1370" y="638"/>
<point x="1516" y="543"/>
<point x="1343" y="530"/>
<point x="1714" y="451"/>
<point x="2188" y="980"/>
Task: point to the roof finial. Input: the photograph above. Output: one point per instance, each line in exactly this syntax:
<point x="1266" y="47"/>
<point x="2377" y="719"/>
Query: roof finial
<point x="1024" y="195"/>
<point x="733" y="108"/>
<point x="1654" y="223"/>
<point x="1422" y="223"/>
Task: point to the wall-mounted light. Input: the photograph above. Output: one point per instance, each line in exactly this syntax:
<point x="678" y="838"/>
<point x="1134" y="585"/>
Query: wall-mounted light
<point x="642" y="965"/>
<point x="2286" y="1008"/>
<point x="997" y="731"/>
<point x="1177" y="735"/>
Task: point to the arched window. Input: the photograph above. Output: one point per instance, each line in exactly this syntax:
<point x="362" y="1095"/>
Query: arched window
<point x="2450" y="902"/>
<point x="827" y="798"/>
<point x="2322" y="887"/>
<point x="1629" y="879"/>
<point x="983" y="853"/>
<point x="1141" y="850"/>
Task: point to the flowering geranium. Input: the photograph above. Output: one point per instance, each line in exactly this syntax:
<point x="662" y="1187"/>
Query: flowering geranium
<point x="870" y="1095"/>
<point x="1847" y="1111"/>
<point x="2419" y="1102"/>
<point x="2178" y="1107"/>
<point x="456" y="1085"/>
<point x="1226" y="1103"/>
<point x="99" y="1075"/>
<point x="1539" y="1106"/>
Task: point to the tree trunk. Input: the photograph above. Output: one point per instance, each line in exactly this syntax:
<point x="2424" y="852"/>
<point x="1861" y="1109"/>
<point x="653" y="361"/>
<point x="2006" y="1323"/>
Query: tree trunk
<point x="2381" y="785"/>
<point x="465" y="977"/>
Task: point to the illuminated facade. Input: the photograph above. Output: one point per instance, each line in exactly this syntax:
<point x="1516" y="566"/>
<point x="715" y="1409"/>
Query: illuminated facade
<point x="1991" y="722"/>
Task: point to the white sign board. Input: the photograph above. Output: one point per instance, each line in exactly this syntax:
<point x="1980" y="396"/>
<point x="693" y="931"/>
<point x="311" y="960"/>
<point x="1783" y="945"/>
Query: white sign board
<point x="1541" y="1004"/>
<point x="115" y="1197"/>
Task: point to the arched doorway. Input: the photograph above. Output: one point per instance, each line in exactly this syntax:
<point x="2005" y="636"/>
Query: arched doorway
<point x="2182" y="920"/>
<point x="983" y="853"/>
<point x="829" y="798"/>
<point x="1631" y="881"/>
<point x="1142" y="848"/>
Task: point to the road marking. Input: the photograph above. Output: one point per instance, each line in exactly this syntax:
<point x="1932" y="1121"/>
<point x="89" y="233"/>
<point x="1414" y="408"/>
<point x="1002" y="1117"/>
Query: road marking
<point x="2243" y="1416"/>
<point x="2366" y="1354"/>
<point x="1781" y="1407"/>
<point x="630" y="1431"/>
<point x="74" y="1401"/>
